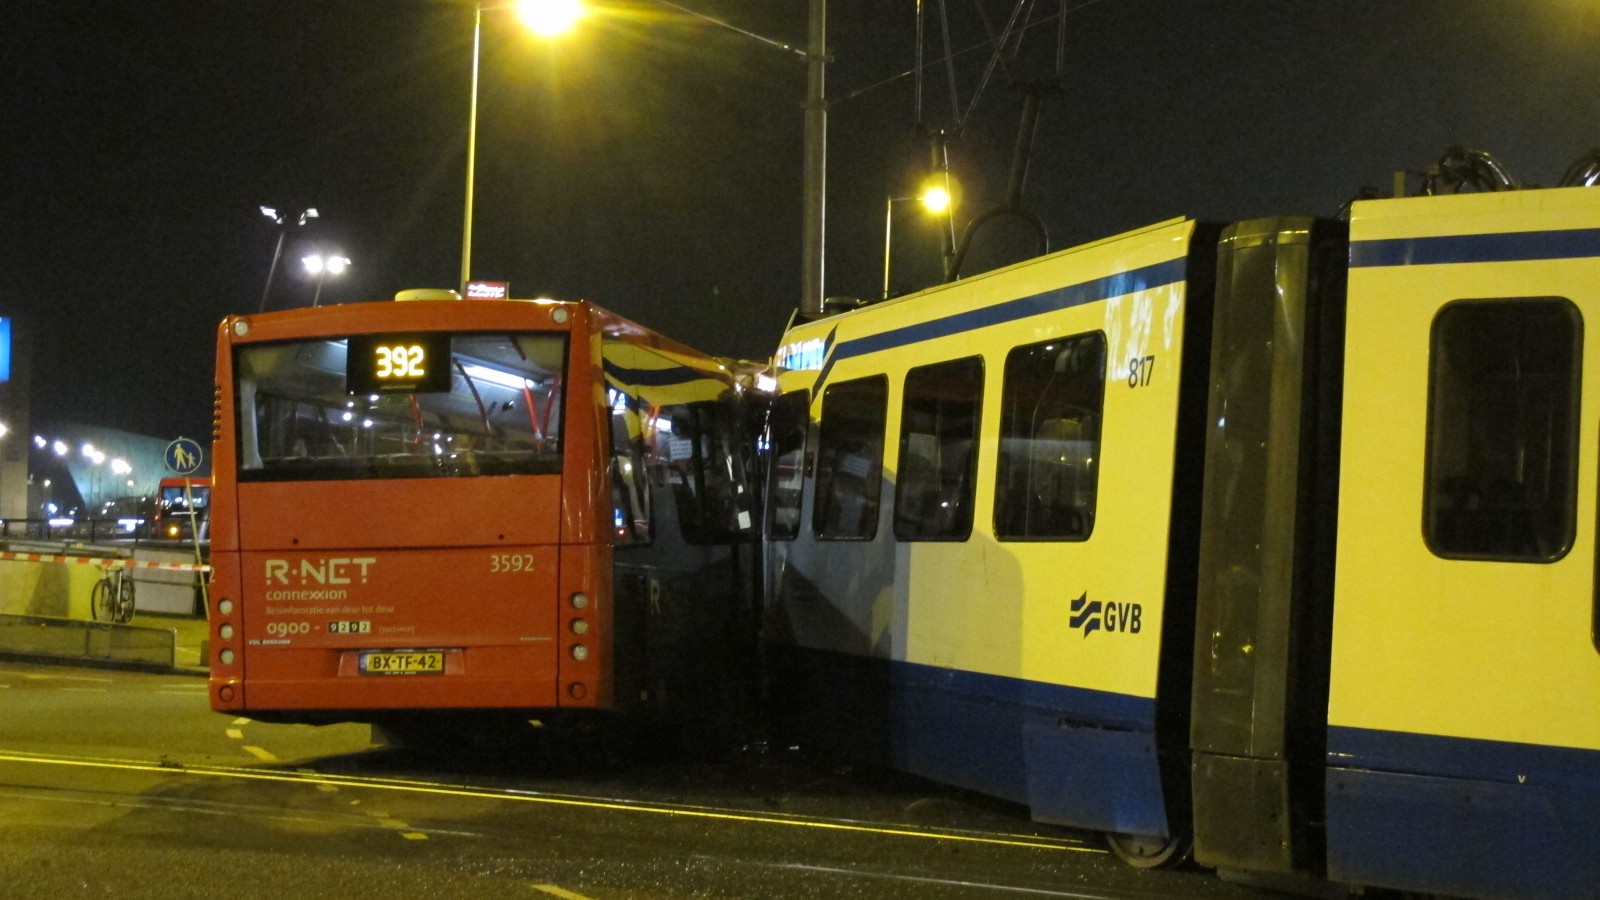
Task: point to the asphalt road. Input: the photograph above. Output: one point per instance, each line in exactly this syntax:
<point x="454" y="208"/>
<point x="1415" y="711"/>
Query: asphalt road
<point x="126" y="785"/>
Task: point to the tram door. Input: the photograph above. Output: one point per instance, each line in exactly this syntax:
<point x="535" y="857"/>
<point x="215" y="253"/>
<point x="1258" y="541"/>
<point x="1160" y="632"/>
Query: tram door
<point x="1465" y="677"/>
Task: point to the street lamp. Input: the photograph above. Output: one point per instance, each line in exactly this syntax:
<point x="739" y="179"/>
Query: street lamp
<point x="282" y="221"/>
<point x="320" y="267"/>
<point x="935" y="199"/>
<point x="545" y="18"/>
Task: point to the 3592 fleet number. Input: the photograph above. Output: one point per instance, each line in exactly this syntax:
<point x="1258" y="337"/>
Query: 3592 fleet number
<point x="502" y="563"/>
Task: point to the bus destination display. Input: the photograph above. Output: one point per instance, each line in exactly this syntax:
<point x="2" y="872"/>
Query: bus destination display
<point x="398" y="363"/>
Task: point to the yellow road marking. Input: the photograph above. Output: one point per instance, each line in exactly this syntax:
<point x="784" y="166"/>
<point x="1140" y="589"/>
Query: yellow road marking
<point x="235" y="733"/>
<point x="561" y="892"/>
<point x="413" y="835"/>
<point x="259" y="753"/>
<point x="1033" y="842"/>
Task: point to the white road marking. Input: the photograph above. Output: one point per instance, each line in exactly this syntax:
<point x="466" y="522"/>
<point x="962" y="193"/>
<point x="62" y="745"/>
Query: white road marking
<point x="236" y="734"/>
<point x="54" y="677"/>
<point x="259" y="753"/>
<point x="561" y="892"/>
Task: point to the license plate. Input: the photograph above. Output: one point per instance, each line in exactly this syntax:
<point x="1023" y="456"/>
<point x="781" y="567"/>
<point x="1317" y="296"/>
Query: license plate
<point x="406" y="662"/>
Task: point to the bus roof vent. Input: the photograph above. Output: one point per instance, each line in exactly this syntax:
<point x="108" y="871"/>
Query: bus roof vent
<point x="427" y="294"/>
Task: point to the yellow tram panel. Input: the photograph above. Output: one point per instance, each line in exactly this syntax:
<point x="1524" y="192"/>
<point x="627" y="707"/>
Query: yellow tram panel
<point x="1457" y="647"/>
<point x="1003" y="607"/>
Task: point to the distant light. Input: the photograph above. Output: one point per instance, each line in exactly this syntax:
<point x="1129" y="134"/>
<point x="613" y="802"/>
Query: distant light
<point x="317" y="264"/>
<point x="120" y="467"/>
<point x="936" y="199"/>
<point x="766" y="384"/>
<point x="40" y="442"/>
<point x="4" y="430"/>
<point x="60" y="447"/>
<point x="549" y="18"/>
<point x="495" y="376"/>
<point x="270" y="213"/>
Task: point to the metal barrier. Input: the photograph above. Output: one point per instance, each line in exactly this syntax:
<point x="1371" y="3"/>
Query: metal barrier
<point x="49" y="637"/>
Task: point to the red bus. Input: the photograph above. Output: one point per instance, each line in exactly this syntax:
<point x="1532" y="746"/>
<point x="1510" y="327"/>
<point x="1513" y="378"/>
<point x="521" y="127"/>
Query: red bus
<point x="182" y="508"/>
<point x="523" y="510"/>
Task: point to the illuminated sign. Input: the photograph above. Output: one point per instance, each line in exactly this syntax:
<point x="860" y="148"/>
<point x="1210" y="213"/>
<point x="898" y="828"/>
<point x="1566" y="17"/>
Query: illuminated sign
<point x="488" y="290"/>
<point x="802" y="355"/>
<point x="398" y="364"/>
<point x="5" y="349"/>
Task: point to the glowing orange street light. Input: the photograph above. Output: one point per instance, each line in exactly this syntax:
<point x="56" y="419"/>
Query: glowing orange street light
<point x="545" y="18"/>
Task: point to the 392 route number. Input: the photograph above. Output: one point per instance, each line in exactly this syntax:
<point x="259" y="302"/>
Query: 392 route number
<point x="500" y="563"/>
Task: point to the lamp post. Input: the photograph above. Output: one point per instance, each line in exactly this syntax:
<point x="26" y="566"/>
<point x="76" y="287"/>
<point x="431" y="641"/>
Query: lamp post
<point x="320" y="267"/>
<point x="546" y="18"/>
<point x="888" y="231"/>
<point x="935" y="198"/>
<point x="282" y="221"/>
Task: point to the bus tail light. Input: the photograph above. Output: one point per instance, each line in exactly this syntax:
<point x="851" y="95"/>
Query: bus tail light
<point x="225" y="631"/>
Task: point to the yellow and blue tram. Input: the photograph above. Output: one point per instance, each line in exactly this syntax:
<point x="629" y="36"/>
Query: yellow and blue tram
<point x="1277" y="536"/>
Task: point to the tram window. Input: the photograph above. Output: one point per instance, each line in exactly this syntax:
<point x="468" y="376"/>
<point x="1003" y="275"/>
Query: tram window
<point x="850" y="459"/>
<point x="790" y="420"/>
<point x="938" y="451"/>
<point x="1048" y="469"/>
<point x="1503" y="429"/>
<point x="690" y="450"/>
<point x="630" y="485"/>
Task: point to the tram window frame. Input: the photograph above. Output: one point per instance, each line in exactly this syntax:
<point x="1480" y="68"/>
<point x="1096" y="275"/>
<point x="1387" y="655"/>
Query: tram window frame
<point x="852" y="436"/>
<point x="1467" y="398"/>
<point x="941" y="409"/>
<point x="789" y="427"/>
<point x="1027" y="500"/>
<point x="631" y="501"/>
<point x="704" y="484"/>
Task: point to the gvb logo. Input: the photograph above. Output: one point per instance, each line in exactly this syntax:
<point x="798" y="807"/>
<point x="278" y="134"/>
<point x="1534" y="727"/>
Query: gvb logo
<point x="1090" y="616"/>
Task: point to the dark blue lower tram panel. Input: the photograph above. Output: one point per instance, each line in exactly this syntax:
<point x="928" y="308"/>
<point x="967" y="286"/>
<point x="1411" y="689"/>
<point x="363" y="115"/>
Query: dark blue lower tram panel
<point x="1074" y="756"/>
<point x="1458" y="816"/>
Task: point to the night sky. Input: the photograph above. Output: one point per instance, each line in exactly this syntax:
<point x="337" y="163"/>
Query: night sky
<point x="652" y="163"/>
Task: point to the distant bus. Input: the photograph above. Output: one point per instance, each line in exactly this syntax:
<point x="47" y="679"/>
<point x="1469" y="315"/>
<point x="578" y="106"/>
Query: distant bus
<point x="518" y="510"/>
<point x="176" y="499"/>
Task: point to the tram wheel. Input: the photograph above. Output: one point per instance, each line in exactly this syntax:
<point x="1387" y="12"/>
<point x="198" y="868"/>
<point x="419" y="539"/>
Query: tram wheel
<point x="1143" y="851"/>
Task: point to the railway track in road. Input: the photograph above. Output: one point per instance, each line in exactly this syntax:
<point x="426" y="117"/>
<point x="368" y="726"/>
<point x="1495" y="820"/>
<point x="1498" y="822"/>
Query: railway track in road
<point x="698" y="842"/>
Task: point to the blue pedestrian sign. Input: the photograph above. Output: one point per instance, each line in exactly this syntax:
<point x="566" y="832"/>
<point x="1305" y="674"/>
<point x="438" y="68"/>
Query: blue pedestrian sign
<point x="184" y="456"/>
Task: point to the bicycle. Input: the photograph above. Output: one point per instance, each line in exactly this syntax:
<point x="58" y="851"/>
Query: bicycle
<point x="111" y="598"/>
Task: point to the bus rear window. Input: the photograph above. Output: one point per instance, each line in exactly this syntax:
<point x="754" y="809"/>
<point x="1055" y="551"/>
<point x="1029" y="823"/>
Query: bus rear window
<point x="302" y="418"/>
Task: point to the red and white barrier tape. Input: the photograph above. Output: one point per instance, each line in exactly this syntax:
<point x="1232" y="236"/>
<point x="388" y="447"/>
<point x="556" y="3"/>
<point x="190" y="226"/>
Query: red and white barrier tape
<point x="108" y="562"/>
